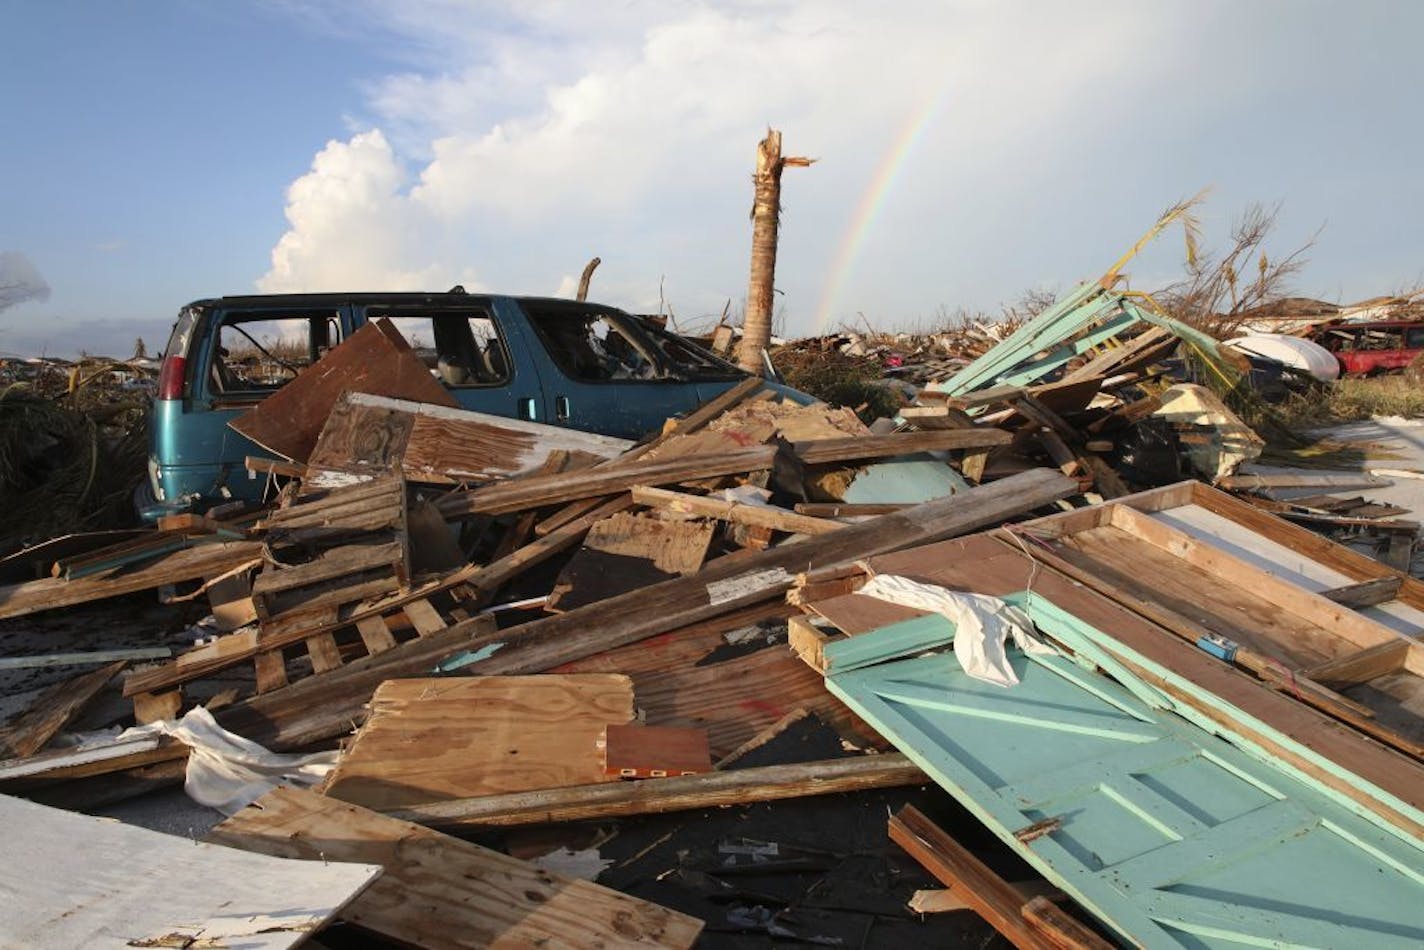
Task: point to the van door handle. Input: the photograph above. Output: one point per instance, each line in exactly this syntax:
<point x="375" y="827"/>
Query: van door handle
<point x="561" y="408"/>
<point x="528" y="409"/>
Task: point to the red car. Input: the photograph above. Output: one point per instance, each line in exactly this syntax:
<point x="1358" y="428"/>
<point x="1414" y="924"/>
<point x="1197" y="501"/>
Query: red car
<point x="1369" y="349"/>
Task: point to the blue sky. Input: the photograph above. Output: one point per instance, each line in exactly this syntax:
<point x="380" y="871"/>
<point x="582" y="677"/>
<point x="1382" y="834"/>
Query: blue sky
<point x="166" y="150"/>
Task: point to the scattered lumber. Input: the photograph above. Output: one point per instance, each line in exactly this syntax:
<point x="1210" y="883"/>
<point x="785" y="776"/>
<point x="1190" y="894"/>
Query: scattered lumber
<point x="323" y="707"/>
<point x="681" y="793"/>
<point x="437" y="892"/>
<point x="765" y="516"/>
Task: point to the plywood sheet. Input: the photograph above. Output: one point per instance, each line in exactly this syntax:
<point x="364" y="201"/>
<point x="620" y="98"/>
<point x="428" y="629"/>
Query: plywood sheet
<point x="440" y="892"/>
<point x="431" y="739"/>
<point x="69" y="880"/>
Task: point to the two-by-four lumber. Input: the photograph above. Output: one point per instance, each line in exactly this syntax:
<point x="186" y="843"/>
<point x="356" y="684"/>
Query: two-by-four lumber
<point x="953" y="865"/>
<point x="517" y="494"/>
<point x="1366" y="593"/>
<point x="322" y="707"/>
<point x="824" y="451"/>
<point x="203" y="561"/>
<point x="838" y="509"/>
<point x="766" y="516"/>
<point x="437" y="891"/>
<point x="678" y="793"/>
<point x="54" y="709"/>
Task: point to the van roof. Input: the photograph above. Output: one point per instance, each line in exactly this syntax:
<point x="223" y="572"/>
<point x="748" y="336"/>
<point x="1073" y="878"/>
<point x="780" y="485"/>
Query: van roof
<point x="310" y="299"/>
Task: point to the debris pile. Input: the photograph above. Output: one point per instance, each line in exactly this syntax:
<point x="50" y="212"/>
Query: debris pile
<point x="458" y="664"/>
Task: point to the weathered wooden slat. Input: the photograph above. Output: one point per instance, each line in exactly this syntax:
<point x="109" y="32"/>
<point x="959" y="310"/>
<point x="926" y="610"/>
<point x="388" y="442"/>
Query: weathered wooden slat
<point x="824" y="451"/>
<point x="679" y="793"/>
<point x="271" y="670"/>
<point x="736" y="512"/>
<point x="206" y="560"/>
<point x="52" y="710"/>
<point x="375" y="634"/>
<point x="518" y="494"/>
<point x="424" y="618"/>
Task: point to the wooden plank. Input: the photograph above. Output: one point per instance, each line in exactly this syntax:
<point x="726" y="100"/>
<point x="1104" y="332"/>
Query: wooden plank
<point x="62" y="889"/>
<point x="439" y="892"/>
<point x="836" y="509"/>
<point x="271" y="670"/>
<point x="325" y="654"/>
<point x="496" y="574"/>
<point x="1267" y="482"/>
<point x="954" y="866"/>
<point x="1362" y="666"/>
<point x="825" y="451"/>
<point x="1365" y="593"/>
<point x="425" y="618"/>
<point x="768" y="516"/>
<point x="206" y="560"/>
<point x="681" y="793"/>
<point x="374" y="359"/>
<point x="375" y="634"/>
<point x="517" y="494"/>
<point x="52" y="710"/>
<point x="83" y="659"/>
<point x="323" y="707"/>
<point x="428" y="739"/>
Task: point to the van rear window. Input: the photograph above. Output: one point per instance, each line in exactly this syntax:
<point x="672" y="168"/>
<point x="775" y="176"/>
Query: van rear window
<point x="257" y="351"/>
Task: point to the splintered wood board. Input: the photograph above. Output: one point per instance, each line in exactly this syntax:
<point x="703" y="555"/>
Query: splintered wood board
<point x="69" y="880"/>
<point x="374" y="359"/>
<point x="626" y="551"/>
<point x="439" y="892"/>
<point x="371" y="434"/>
<point x="432" y="739"/>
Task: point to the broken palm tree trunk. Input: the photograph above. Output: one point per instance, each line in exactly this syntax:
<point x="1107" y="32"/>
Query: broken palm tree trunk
<point x="766" y="217"/>
<point x="324" y="707"/>
<point x="587" y="276"/>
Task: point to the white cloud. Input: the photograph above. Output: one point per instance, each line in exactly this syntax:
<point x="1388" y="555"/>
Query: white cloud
<point x="546" y="133"/>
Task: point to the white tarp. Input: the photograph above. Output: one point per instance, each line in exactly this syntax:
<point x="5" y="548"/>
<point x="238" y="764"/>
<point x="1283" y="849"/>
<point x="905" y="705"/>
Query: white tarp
<point x="228" y="772"/>
<point x="983" y="625"/>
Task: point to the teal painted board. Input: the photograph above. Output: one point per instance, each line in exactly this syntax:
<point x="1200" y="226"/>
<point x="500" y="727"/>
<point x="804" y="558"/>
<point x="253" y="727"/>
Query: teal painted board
<point x="1170" y="835"/>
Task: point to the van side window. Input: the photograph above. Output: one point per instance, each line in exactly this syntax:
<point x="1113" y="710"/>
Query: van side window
<point x="592" y="346"/>
<point x="259" y="351"/>
<point x="461" y="349"/>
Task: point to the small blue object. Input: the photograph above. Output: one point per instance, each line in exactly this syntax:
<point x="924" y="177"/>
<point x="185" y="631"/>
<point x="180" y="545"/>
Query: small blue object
<point x="1218" y="646"/>
<point x="466" y="658"/>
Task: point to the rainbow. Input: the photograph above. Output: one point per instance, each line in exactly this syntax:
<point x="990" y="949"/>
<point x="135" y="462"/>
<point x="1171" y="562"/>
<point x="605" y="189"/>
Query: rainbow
<point x="871" y="201"/>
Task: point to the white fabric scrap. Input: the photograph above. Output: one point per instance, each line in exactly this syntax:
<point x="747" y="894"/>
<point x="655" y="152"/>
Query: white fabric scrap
<point x="983" y="625"/>
<point x="228" y="772"/>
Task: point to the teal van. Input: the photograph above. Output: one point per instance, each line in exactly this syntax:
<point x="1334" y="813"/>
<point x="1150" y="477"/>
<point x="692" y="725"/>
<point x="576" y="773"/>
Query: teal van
<point x="561" y="362"/>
